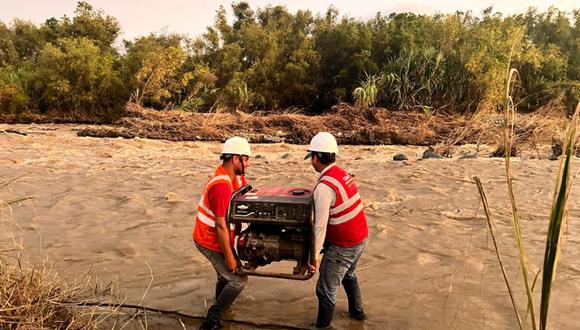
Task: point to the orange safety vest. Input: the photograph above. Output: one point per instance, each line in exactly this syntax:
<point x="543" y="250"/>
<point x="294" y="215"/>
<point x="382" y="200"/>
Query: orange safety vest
<point x="204" y="232"/>
<point x="347" y="223"/>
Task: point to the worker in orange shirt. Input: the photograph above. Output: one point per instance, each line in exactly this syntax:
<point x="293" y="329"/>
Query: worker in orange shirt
<point x="211" y="234"/>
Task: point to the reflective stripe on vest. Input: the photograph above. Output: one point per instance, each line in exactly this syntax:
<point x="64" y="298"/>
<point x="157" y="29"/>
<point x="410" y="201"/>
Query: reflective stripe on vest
<point x="349" y="216"/>
<point x="209" y="218"/>
<point x="347" y="224"/>
<point x="345" y="202"/>
<point x="204" y="231"/>
<point x="210" y="222"/>
<point x="341" y="190"/>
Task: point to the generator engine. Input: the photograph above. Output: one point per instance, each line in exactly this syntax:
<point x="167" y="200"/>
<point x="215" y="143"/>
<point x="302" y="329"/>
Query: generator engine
<point x="278" y="223"/>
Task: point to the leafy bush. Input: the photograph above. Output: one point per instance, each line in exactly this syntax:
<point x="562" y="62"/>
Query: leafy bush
<point x="269" y="58"/>
<point x="13" y="99"/>
<point x="77" y="78"/>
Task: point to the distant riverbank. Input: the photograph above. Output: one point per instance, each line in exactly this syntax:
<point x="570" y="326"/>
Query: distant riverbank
<point x="351" y="125"/>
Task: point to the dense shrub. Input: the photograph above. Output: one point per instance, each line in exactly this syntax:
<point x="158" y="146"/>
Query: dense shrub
<point x="269" y="58"/>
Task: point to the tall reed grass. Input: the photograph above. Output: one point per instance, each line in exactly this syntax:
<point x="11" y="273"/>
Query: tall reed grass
<point x="367" y="93"/>
<point x="557" y="217"/>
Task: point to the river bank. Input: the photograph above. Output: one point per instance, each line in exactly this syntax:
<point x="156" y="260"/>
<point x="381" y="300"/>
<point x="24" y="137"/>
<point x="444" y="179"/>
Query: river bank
<point x="351" y="125"/>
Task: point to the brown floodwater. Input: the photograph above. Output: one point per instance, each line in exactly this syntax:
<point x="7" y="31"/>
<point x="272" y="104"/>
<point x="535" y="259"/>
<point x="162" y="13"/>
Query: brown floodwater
<point x="115" y="207"/>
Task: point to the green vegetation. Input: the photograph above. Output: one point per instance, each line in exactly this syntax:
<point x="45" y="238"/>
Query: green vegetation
<point x="269" y="59"/>
<point x="557" y="220"/>
<point x="557" y="217"/>
<point x="366" y="94"/>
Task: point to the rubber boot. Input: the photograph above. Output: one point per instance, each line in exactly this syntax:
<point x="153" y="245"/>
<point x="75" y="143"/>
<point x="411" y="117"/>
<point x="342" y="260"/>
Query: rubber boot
<point x="325" y="315"/>
<point x="211" y="324"/>
<point x="355" y="305"/>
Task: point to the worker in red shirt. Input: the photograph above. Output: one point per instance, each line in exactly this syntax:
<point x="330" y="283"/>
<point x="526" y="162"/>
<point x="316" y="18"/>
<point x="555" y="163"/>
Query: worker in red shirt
<point x="211" y="234"/>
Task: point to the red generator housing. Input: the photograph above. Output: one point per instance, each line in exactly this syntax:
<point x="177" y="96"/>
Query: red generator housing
<point x="278" y="225"/>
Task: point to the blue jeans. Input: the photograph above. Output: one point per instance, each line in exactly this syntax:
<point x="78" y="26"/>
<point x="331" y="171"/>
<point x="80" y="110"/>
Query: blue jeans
<point x="228" y="287"/>
<point x="339" y="266"/>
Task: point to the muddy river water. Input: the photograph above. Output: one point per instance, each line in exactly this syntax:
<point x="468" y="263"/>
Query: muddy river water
<point x="117" y="207"/>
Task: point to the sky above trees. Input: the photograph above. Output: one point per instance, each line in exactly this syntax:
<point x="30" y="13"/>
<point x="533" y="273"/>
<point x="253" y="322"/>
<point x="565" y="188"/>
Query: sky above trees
<point x="140" y="17"/>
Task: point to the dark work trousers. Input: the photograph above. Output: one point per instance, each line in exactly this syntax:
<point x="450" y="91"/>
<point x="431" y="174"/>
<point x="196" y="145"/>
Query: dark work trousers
<point x="338" y="267"/>
<point x="228" y="286"/>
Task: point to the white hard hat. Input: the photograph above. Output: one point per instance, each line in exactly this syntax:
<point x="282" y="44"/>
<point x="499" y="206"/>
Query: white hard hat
<point x="323" y="142"/>
<point x="236" y="146"/>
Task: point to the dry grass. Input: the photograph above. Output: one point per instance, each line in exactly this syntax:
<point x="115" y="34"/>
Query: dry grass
<point x="351" y="125"/>
<point x="35" y="297"/>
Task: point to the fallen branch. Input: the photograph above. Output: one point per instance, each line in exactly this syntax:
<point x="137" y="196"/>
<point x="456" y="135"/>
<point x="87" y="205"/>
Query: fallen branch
<point x="13" y="131"/>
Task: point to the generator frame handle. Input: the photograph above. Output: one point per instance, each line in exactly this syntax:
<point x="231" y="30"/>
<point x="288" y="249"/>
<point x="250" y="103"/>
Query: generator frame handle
<point x="243" y="271"/>
<point x="241" y="191"/>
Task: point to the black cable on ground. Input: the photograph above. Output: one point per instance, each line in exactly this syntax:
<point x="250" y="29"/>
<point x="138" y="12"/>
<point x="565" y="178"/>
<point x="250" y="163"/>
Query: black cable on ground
<point x="182" y="315"/>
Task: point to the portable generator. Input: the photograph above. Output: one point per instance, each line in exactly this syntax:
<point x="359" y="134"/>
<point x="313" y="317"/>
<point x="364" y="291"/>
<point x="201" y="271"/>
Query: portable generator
<point x="278" y="226"/>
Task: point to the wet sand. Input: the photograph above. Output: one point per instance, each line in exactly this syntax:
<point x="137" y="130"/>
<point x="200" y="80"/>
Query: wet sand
<point x="113" y="206"/>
